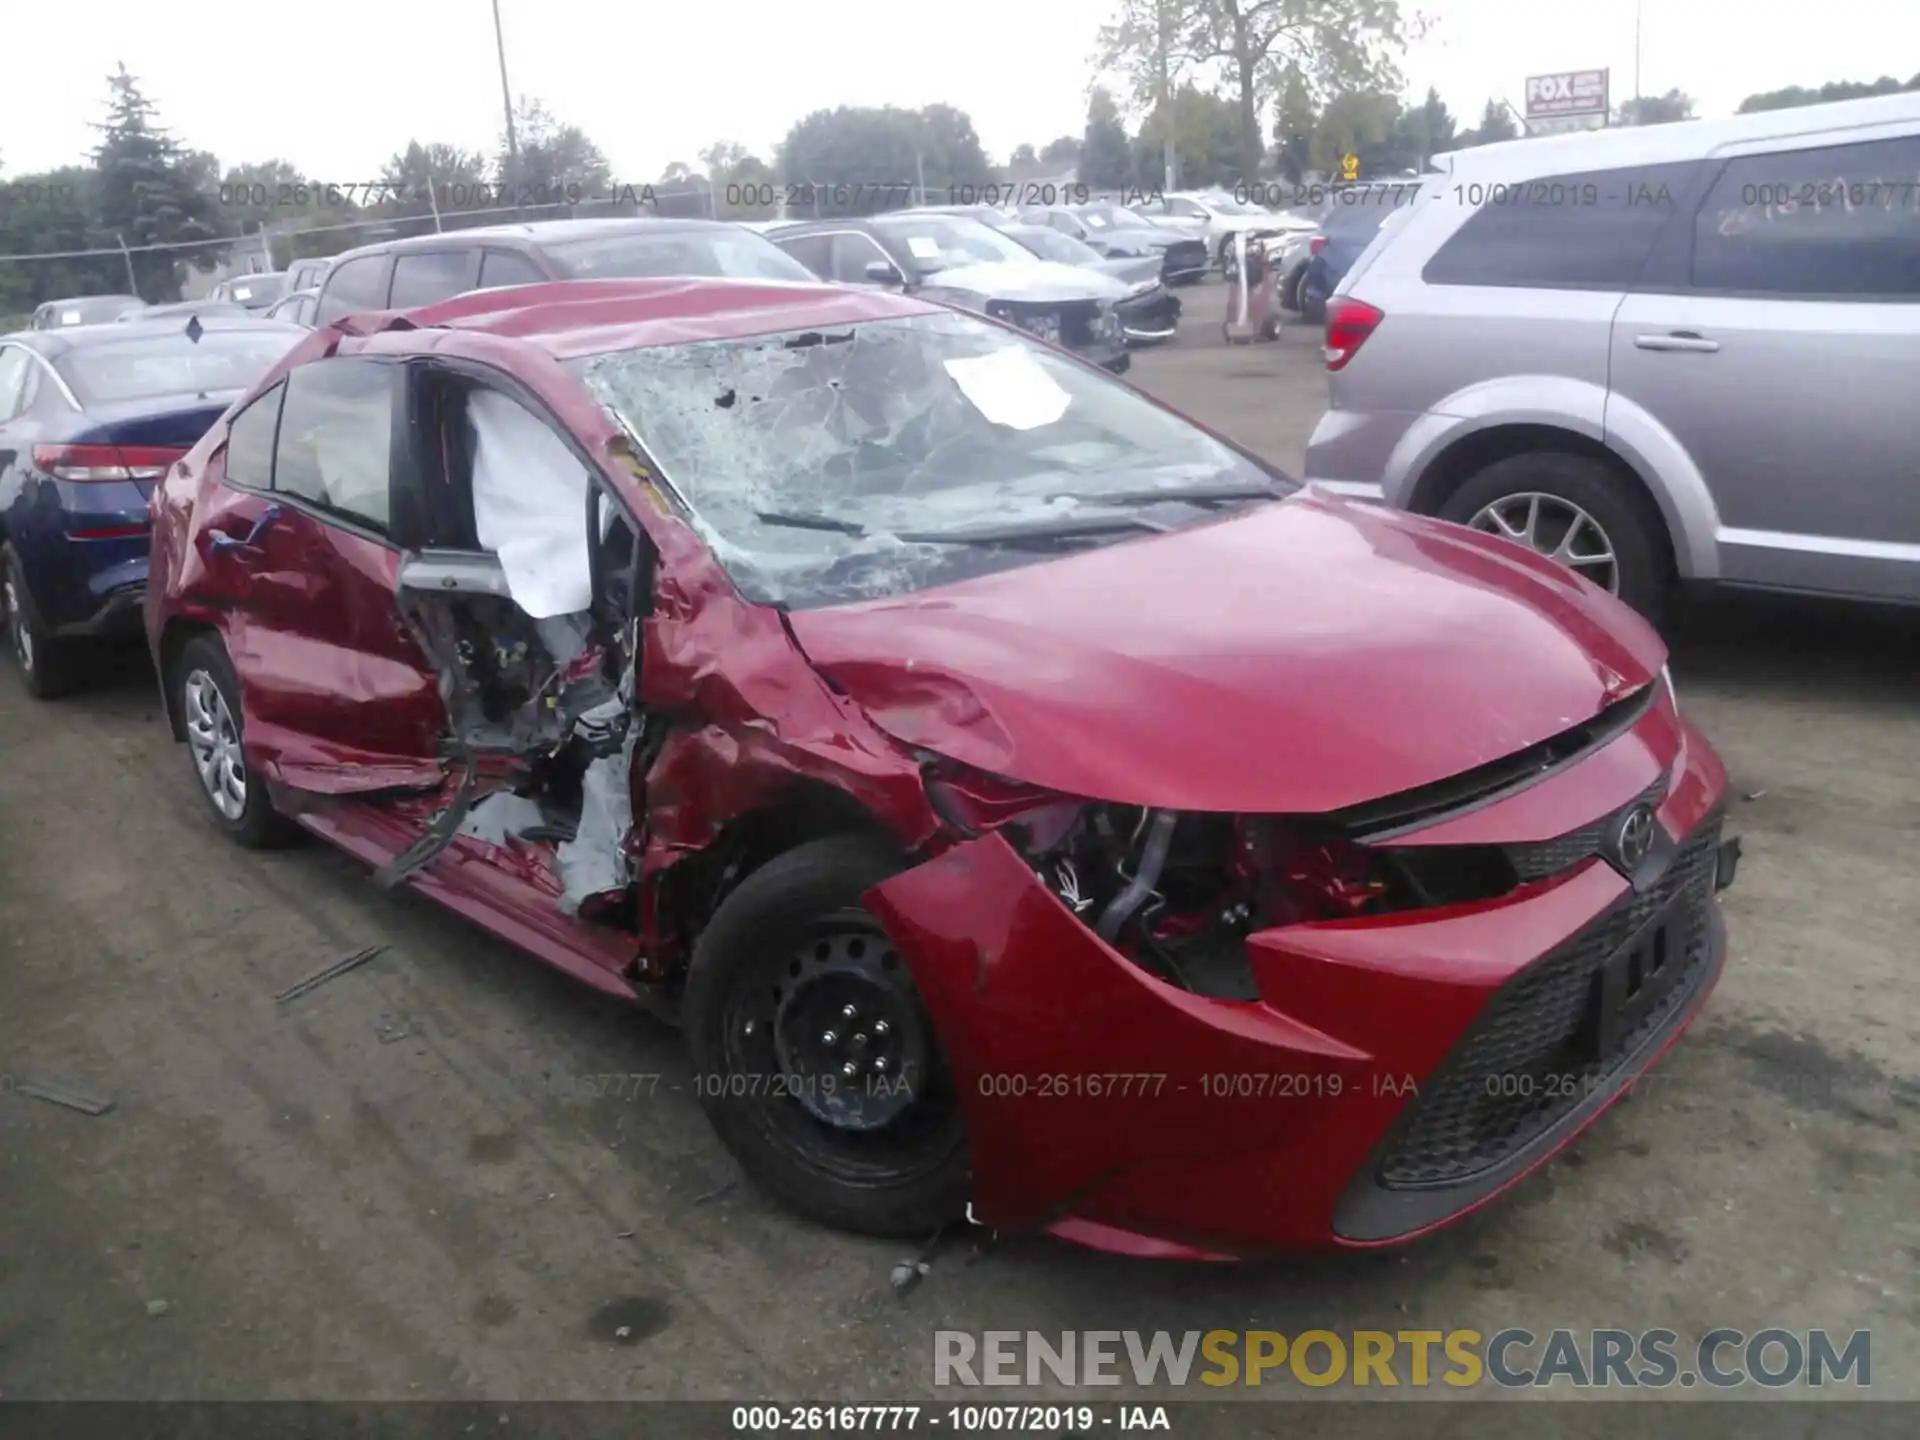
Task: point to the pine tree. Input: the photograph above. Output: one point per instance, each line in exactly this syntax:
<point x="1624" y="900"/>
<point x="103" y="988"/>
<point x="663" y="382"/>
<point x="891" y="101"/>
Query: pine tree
<point x="146" y="192"/>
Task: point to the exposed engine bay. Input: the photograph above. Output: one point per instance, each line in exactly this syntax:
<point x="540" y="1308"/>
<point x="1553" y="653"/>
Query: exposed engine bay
<point x="1179" y="893"/>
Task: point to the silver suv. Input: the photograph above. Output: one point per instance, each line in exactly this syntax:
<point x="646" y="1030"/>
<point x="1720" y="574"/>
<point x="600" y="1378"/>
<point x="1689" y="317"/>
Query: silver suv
<point x="1686" y="351"/>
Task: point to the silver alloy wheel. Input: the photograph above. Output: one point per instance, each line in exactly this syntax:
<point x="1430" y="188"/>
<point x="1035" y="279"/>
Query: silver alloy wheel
<point x="215" y="742"/>
<point x="17" y="627"/>
<point x="1556" y="528"/>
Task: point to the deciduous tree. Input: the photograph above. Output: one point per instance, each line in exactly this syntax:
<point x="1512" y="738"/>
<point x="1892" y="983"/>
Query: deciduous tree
<point x="554" y="159"/>
<point x="1252" y="46"/>
<point x="1795" y="95"/>
<point x="1655" y="109"/>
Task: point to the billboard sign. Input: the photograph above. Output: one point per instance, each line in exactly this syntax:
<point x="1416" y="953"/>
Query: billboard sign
<point x="1572" y="92"/>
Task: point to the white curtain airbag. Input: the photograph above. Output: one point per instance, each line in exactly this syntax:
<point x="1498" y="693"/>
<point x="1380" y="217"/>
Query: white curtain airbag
<point x="530" y="506"/>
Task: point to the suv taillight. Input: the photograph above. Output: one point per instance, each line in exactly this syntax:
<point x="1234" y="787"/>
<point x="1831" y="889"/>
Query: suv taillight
<point x="106" y="463"/>
<point x="1349" y="323"/>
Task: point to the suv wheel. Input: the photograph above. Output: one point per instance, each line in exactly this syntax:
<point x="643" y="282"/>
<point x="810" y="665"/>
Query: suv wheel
<point x="1576" y="511"/>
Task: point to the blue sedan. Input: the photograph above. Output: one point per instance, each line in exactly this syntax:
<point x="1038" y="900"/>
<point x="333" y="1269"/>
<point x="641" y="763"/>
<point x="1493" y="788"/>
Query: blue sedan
<point x="90" y="417"/>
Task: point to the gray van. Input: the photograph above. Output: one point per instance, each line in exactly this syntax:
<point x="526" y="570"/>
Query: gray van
<point x="1678" y="352"/>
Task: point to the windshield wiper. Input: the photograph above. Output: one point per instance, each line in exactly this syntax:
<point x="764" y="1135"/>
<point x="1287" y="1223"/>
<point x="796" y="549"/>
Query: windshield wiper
<point x="1064" y="528"/>
<point x="1197" y="495"/>
<point x="809" y="522"/>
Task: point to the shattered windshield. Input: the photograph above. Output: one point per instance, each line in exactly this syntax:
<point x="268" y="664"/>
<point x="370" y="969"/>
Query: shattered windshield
<point x="945" y="242"/>
<point x="886" y="457"/>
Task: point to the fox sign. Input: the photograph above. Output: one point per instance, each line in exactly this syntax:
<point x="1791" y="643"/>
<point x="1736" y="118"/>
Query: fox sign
<point x="1573" y="92"/>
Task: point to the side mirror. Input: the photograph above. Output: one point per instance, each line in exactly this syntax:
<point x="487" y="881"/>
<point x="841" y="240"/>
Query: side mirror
<point x="882" y="272"/>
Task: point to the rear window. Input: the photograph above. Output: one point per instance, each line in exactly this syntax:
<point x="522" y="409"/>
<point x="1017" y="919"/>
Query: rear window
<point x="256" y="292"/>
<point x="738" y="254"/>
<point x="171" y="364"/>
<point x="1358" y="214"/>
<point x="1592" y="230"/>
<point x="358" y="284"/>
<point x="89" y="310"/>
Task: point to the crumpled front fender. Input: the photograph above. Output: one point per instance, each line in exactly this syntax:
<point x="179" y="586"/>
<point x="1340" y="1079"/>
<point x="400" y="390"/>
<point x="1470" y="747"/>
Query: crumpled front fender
<point x="1071" y="1062"/>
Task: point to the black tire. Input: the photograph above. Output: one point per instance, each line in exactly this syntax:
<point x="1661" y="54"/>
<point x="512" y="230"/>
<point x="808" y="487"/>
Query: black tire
<point x="1634" y="530"/>
<point x="1313" y="305"/>
<point x="49" y="667"/>
<point x="258" y="826"/>
<point x="906" y="1177"/>
<point x="1290" y="289"/>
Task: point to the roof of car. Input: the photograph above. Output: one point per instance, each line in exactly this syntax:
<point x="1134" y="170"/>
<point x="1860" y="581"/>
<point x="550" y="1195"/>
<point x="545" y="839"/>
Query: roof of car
<point x="570" y="318"/>
<point x="535" y="233"/>
<point x="55" y="343"/>
<point x="77" y="299"/>
<point x="1682" y="140"/>
<point x="814" y="227"/>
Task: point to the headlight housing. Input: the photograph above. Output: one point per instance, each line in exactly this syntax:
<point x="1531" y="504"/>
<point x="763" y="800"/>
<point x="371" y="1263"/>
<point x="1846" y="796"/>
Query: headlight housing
<point x="1666" y="679"/>
<point x="1041" y="324"/>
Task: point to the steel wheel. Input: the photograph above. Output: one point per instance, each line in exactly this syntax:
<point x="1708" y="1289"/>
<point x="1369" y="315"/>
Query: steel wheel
<point x="17" y="631"/>
<point x="215" y="742"/>
<point x="1556" y="528"/>
<point x="835" y="1022"/>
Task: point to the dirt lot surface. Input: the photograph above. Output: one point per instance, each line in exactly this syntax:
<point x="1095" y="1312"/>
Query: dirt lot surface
<point x="403" y="1185"/>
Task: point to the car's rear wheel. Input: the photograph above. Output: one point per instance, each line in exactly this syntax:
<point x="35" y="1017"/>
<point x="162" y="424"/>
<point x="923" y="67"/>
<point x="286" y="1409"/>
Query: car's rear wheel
<point x="813" y="1055"/>
<point x="1574" y="510"/>
<point x="1313" y="300"/>
<point x="49" y="667"/>
<point x="207" y="695"/>
<point x="1290" y="288"/>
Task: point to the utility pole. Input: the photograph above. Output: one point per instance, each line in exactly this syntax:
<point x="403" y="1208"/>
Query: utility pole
<point x="506" y="95"/>
<point x="1170" y="154"/>
<point x="133" y="285"/>
<point x="1638" y="5"/>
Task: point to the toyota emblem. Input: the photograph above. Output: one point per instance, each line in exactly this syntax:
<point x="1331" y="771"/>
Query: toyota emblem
<point x="1633" y="838"/>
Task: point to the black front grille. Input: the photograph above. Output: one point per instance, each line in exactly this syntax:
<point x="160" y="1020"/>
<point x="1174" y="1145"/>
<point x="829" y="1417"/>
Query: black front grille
<point x="1534" y="1054"/>
<point x="1539" y="859"/>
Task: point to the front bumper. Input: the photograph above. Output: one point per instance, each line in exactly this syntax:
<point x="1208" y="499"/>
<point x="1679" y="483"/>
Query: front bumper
<point x="1112" y="1109"/>
<point x="120" y="612"/>
<point x="1151" y="319"/>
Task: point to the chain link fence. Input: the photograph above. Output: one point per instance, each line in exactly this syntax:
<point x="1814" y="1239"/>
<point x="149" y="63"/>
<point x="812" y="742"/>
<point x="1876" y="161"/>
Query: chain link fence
<point x="275" y="244"/>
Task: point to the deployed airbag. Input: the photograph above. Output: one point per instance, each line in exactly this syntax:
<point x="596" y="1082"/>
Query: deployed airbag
<point x="530" y="506"/>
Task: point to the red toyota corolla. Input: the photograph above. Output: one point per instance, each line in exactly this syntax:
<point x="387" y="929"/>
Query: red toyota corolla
<point x="1026" y="799"/>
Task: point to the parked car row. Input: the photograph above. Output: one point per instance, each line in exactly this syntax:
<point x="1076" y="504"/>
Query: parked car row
<point x="959" y="261"/>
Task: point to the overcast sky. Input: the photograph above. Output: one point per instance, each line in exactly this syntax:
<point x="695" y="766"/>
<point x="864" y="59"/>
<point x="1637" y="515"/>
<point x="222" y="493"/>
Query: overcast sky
<point x="353" y="80"/>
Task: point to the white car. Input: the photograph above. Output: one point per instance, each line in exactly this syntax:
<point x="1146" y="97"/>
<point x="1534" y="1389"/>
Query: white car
<point x="1217" y="217"/>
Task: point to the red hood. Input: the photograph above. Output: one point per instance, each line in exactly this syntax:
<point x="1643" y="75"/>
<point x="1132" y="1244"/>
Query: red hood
<point x="1304" y="656"/>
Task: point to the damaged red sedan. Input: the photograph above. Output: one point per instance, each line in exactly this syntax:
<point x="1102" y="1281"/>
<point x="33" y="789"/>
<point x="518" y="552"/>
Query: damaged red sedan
<point x="1031" y="805"/>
